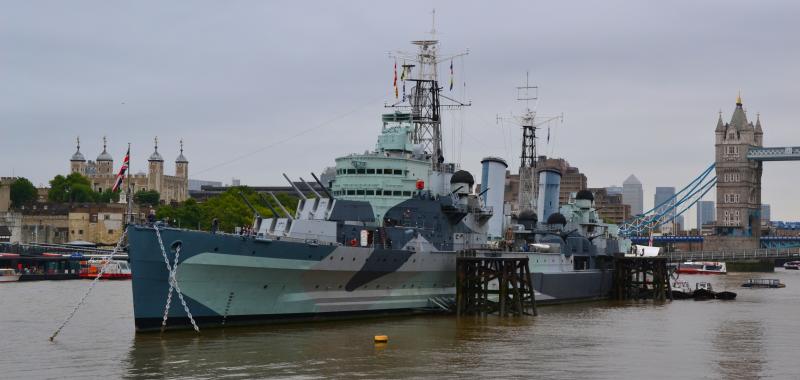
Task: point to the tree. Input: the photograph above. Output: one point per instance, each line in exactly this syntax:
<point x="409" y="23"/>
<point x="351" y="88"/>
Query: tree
<point x="108" y="196"/>
<point x="148" y="197"/>
<point x="22" y="191"/>
<point x="72" y="188"/>
<point x="228" y="208"/>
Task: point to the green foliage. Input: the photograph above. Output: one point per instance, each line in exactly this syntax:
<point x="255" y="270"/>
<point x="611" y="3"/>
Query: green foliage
<point x="22" y="191"/>
<point x="77" y="188"/>
<point x="228" y="208"/>
<point x="147" y="197"/>
<point x="108" y="196"/>
<point x="72" y="188"/>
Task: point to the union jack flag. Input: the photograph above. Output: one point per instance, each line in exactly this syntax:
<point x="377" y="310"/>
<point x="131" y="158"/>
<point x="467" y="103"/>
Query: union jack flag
<point x="122" y="170"/>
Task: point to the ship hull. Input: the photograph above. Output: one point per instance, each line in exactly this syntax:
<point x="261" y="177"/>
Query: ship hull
<point x="232" y="280"/>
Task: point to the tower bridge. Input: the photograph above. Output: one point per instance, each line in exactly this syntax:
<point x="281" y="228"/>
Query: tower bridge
<point x="737" y="168"/>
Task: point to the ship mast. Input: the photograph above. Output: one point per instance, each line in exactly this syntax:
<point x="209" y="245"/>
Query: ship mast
<point x="527" y="163"/>
<point x="528" y="157"/>
<point x="424" y="101"/>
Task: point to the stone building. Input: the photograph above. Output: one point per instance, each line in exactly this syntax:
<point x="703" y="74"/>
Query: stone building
<point x="610" y="207"/>
<point x="102" y="174"/>
<point x="738" y="182"/>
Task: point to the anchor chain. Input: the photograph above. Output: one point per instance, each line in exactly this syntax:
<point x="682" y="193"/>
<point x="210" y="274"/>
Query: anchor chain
<point x="107" y="261"/>
<point x="173" y="283"/>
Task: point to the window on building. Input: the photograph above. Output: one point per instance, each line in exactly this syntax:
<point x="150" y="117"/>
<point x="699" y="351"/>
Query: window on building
<point x="406" y="193"/>
<point x="106" y="217"/>
<point x="351" y="171"/>
<point x="370" y="171"/>
<point x="72" y="232"/>
<point x="387" y="171"/>
<point x="92" y="218"/>
<point x="110" y="232"/>
<point x="370" y="192"/>
<point x="361" y="171"/>
<point x="80" y="232"/>
<point x="359" y="192"/>
<point x="397" y="193"/>
<point x="378" y="171"/>
<point x="351" y="192"/>
<point x="398" y="172"/>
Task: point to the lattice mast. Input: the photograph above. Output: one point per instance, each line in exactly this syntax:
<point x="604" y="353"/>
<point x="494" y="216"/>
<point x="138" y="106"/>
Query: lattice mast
<point x="527" y="163"/>
<point x="424" y="99"/>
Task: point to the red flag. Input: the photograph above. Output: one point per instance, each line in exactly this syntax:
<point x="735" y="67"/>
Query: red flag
<point x="396" y="95"/>
<point x="122" y="170"/>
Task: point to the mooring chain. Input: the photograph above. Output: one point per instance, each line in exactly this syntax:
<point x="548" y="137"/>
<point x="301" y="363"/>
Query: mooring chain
<point x="173" y="283"/>
<point x="106" y="261"/>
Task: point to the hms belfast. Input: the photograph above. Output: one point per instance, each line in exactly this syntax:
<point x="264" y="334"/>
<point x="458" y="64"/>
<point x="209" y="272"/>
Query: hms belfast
<point x="381" y="238"/>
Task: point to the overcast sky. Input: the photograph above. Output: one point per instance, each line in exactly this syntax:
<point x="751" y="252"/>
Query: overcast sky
<point x="289" y="86"/>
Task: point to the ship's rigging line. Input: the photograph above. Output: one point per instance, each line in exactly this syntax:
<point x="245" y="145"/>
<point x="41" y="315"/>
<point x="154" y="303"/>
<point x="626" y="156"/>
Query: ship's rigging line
<point x="106" y="260"/>
<point x="291" y="137"/>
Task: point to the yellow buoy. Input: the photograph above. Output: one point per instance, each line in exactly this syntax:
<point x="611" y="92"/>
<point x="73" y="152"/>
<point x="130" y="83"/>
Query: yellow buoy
<point x="381" y="339"/>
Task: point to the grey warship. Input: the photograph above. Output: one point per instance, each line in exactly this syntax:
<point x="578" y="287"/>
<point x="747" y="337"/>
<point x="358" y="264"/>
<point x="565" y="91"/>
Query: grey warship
<point x="381" y="238"/>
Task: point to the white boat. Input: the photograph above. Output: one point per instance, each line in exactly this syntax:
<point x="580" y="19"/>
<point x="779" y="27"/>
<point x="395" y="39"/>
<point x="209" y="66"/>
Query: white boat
<point x="8" y="275"/>
<point x="702" y="267"/>
<point x="792" y="265"/>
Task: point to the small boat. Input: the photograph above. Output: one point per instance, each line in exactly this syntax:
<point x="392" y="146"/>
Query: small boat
<point x="702" y="267"/>
<point x="8" y="275"/>
<point x="763" y="283"/>
<point x="682" y="290"/>
<point x="703" y="291"/>
<point x="115" y="270"/>
<point x="792" y="265"/>
<point x="726" y="295"/>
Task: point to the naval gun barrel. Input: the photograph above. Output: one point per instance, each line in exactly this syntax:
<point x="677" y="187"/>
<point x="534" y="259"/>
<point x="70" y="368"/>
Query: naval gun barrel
<point x="325" y="189"/>
<point x="281" y="205"/>
<point x="299" y="193"/>
<point x="310" y="188"/>
<point x="274" y="212"/>
<point x="247" y="202"/>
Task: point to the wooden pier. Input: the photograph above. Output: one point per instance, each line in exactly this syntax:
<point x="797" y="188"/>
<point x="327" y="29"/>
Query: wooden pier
<point x="514" y="294"/>
<point x="642" y="278"/>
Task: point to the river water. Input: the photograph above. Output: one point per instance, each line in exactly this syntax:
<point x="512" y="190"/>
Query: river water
<point x="755" y="336"/>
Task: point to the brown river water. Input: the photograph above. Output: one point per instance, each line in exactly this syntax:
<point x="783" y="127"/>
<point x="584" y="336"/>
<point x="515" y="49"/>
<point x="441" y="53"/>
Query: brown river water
<point x="755" y="336"/>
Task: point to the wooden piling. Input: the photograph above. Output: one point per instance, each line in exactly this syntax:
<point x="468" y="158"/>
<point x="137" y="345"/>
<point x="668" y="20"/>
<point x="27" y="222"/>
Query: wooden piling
<point x="642" y="278"/>
<point x="514" y="294"/>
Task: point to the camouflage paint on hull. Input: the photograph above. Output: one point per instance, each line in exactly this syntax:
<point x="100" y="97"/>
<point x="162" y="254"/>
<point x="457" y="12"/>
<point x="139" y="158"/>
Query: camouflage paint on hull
<point x="233" y="280"/>
<point x="228" y="279"/>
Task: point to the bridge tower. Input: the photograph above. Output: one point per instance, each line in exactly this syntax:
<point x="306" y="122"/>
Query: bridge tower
<point x="738" y="222"/>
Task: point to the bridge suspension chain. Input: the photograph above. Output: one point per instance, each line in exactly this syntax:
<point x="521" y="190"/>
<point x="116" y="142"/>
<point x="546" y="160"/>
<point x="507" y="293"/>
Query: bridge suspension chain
<point x="665" y="212"/>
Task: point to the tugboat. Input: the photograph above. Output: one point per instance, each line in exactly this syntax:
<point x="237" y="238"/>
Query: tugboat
<point x="381" y="238"/>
